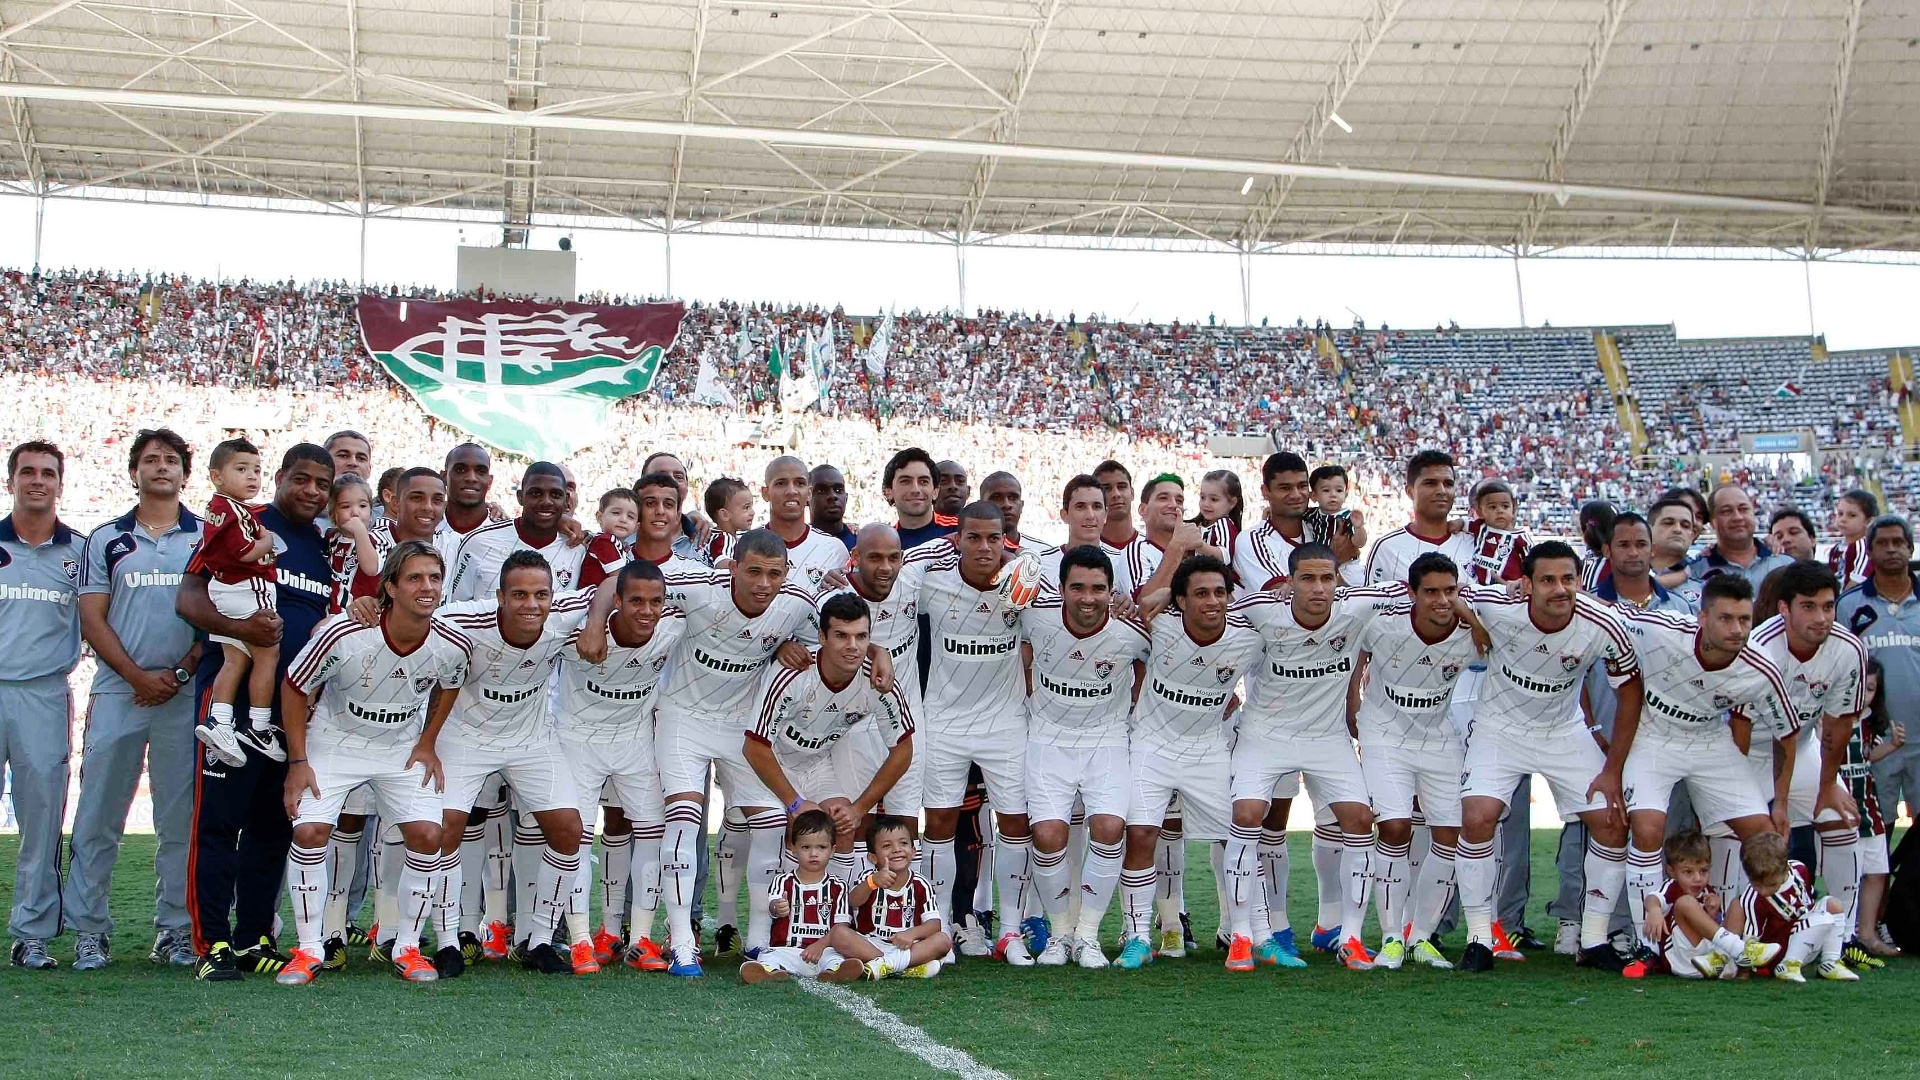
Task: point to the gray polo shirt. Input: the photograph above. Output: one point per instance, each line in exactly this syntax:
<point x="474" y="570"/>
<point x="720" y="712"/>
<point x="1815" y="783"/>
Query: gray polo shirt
<point x="141" y="574"/>
<point x="1711" y="562"/>
<point x="1892" y="633"/>
<point x="39" y="603"/>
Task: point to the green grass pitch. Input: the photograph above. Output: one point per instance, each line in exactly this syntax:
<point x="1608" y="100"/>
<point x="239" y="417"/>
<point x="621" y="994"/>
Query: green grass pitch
<point x="1181" y="1018"/>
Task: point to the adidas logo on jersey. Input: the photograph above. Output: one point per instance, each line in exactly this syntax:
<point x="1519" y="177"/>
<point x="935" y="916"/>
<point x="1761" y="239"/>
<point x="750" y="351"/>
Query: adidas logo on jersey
<point x="1196" y="662"/>
<point x="633" y="663"/>
<point x="527" y="663"/>
<point x="983" y="609"/>
<point x="1076" y="655"/>
<point x="1541" y="648"/>
<point x="1311" y="641"/>
<point x="746" y="635"/>
<point x="1424" y="661"/>
<point x="398" y="673"/>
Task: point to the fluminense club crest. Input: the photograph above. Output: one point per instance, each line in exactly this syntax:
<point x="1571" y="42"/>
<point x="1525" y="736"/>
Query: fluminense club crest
<point x="532" y="377"/>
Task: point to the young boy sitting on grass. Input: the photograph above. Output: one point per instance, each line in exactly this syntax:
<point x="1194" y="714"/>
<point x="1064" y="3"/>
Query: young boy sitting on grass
<point x="808" y="909"/>
<point x="896" y="927"/>
<point x="1779" y="908"/>
<point x="1683" y="918"/>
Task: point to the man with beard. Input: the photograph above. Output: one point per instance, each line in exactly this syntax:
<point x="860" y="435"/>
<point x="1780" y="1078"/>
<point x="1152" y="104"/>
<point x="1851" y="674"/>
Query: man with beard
<point x="139" y="709"/>
<point x="543" y="502"/>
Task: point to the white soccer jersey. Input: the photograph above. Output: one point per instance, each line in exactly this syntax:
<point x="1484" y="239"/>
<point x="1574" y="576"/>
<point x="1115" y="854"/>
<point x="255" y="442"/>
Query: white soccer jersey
<point x="802" y="717"/>
<point x="1533" y="677"/>
<point x="1686" y="701"/>
<point x="364" y="694"/>
<point x="1142" y="559"/>
<point x="720" y="658"/>
<point x="1827" y="684"/>
<point x="974" y="683"/>
<point x="447" y="540"/>
<point x="1260" y="557"/>
<point x="475" y="574"/>
<point x="811" y="557"/>
<point x="1300" y="689"/>
<point x="1082" y="686"/>
<point x="1410" y="681"/>
<point x="894" y="624"/>
<point x="1122" y="584"/>
<point x="503" y="704"/>
<point x="611" y="699"/>
<point x="1181" y="715"/>
<point x="1393" y="554"/>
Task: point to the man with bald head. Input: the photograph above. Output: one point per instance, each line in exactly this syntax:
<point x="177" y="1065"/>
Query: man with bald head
<point x="827" y="505"/>
<point x="1735" y="549"/>
<point x="891" y="589"/>
<point x="810" y="553"/>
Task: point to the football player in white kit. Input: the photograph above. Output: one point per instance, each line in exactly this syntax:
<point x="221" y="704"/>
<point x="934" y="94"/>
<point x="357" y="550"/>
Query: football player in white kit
<point x="1411" y="658"/>
<point x="1083" y="509"/>
<point x="1260" y="557"/>
<point x="352" y="707"/>
<point x="1083" y="667"/>
<point x="1707" y="693"/>
<point x="890" y="586"/>
<point x="543" y="502"/>
<point x="605" y="722"/>
<point x="1295" y="721"/>
<point x="736" y="619"/>
<point x="974" y="711"/>
<point x="1526" y="722"/>
<point x="811" y="554"/>
<point x="1825" y="669"/>
<point x="1003" y="490"/>
<point x="1181" y="733"/>
<point x="801" y="744"/>
<point x="499" y="723"/>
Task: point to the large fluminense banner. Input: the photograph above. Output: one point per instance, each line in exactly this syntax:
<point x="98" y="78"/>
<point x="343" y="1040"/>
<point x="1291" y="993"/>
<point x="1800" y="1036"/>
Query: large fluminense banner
<point x="535" y="378"/>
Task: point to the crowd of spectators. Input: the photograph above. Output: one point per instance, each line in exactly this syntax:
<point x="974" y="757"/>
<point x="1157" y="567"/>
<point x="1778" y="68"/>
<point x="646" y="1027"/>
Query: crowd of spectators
<point x="93" y="356"/>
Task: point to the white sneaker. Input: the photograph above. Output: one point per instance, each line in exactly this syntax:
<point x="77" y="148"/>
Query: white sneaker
<point x="1012" y="948"/>
<point x="971" y="940"/>
<point x="1088" y="954"/>
<point x="222" y="742"/>
<point x="1567" y="941"/>
<point x="1055" y="954"/>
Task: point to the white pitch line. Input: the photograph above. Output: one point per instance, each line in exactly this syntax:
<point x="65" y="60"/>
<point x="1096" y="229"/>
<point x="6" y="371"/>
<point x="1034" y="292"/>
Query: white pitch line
<point x="911" y="1039"/>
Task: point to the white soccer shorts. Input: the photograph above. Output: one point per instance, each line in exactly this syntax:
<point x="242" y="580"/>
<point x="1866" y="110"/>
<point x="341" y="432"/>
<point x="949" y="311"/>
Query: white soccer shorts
<point x="1327" y="765"/>
<point x="834" y="773"/>
<point x="1805" y="790"/>
<point x="241" y="600"/>
<point x="1001" y="755"/>
<point x="1203" y="786"/>
<point x="401" y="794"/>
<point x="1568" y="760"/>
<point x="1719" y="778"/>
<point x="539" y="775"/>
<point x="1679" y="953"/>
<point x="626" y="767"/>
<point x="1396" y="774"/>
<point x="870" y="750"/>
<point x="685" y="746"/>
<point x="788" y="959"/>
<point x="360" y="801"/>
<point x="1873" y="854"/>
<point x="1055" y="776"/>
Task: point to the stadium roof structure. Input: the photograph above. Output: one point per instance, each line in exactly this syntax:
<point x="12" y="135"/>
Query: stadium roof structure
<point x="1513" y="126"/>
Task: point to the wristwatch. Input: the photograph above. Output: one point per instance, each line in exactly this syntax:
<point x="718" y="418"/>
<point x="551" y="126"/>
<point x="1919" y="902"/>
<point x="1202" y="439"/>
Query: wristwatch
<point x="182" y="676"/>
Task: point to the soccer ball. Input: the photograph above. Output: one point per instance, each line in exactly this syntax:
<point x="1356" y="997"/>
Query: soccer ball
<point x="1019" y="580"/>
